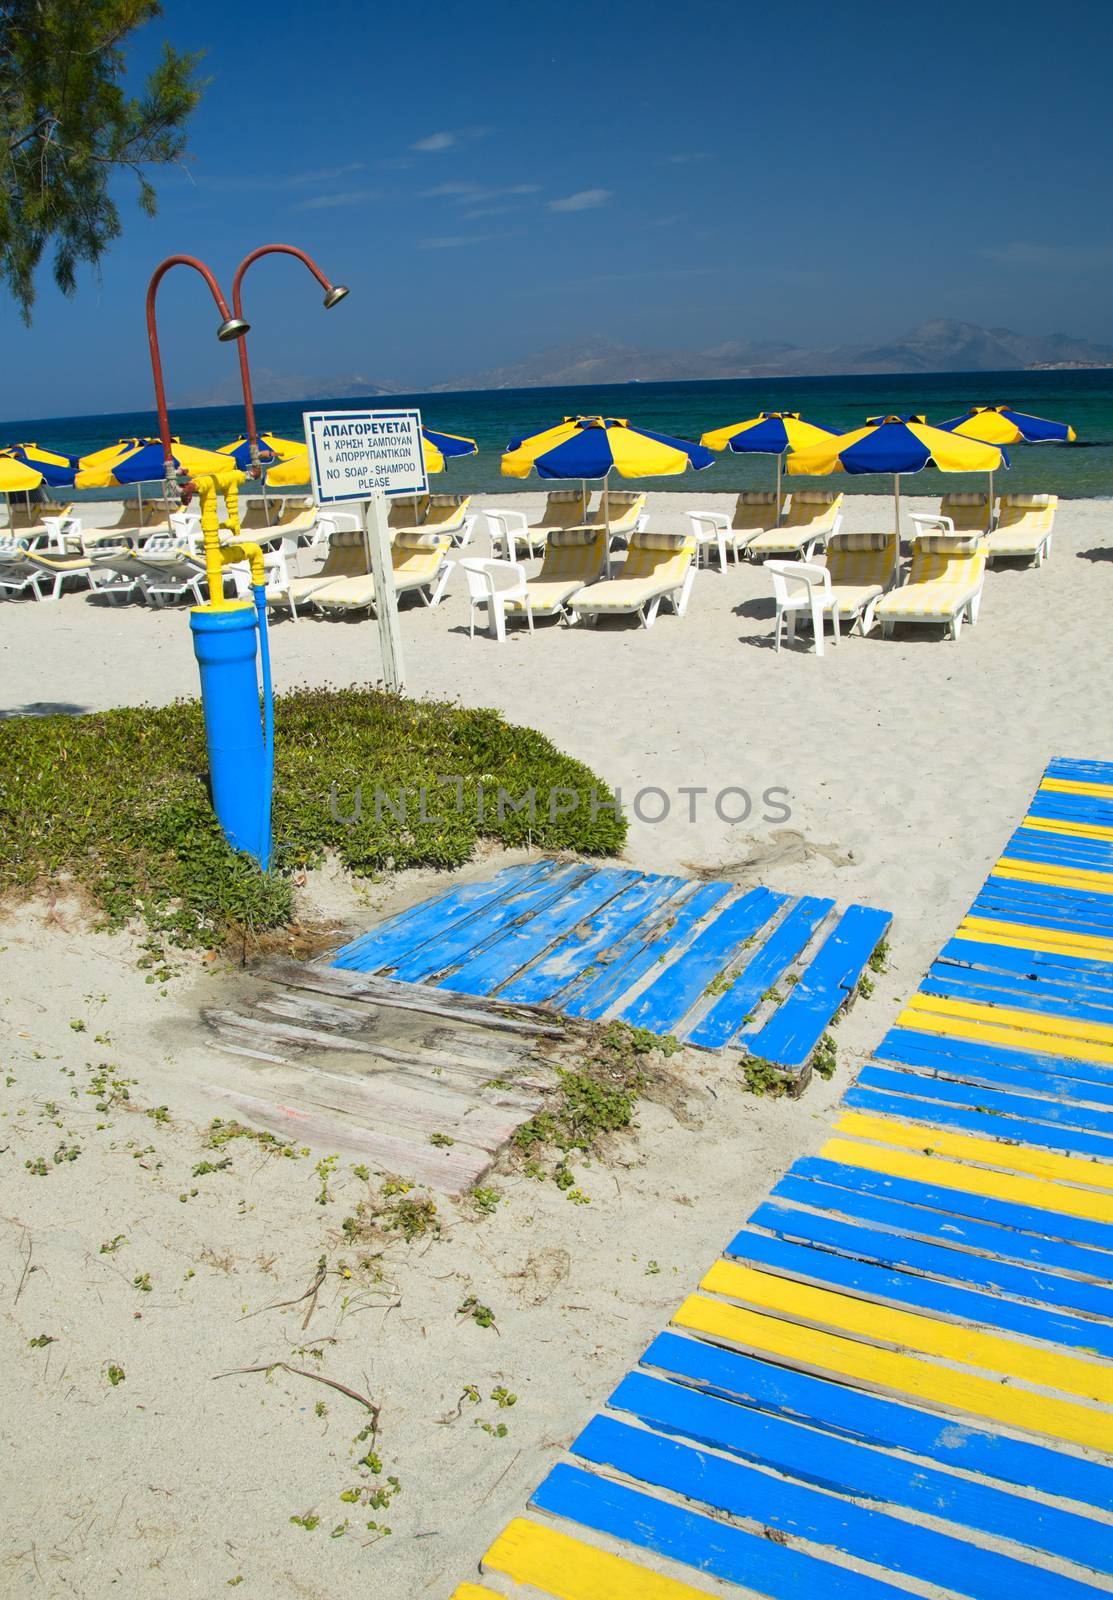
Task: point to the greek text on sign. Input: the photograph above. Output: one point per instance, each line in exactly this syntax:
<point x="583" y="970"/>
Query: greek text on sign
<point x="352" y="454"/>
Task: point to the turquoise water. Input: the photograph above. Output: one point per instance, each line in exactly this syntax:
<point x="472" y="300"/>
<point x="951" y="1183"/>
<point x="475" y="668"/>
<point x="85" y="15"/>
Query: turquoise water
<point x="1083" y="398"/>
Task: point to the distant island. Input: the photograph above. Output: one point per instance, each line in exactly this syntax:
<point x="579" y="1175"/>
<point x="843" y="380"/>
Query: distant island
<point x="942" y="345"/>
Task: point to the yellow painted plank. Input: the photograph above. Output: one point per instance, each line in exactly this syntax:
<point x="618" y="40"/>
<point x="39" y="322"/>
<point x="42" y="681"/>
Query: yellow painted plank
<point x="901" y="1374"/>
<point x="1068" y="877"/>
<point x="1067" y="1202"/>
<point x="1083" y="942"/>
<point x="1014" y="1017"/>
<point x="559" y="1565"/>
<point x="909" y="1330"/>
<point x="471" y="1591"/>
<point x="1082" y="830"/>
<point x="1101" y="791"/>
<point x="1036" y="1163"/>
<point x="1036" y="939"/>
<point x="1013" y="1038"/>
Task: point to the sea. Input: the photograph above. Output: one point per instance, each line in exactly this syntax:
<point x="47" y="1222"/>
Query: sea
<point x="492" y="417"/>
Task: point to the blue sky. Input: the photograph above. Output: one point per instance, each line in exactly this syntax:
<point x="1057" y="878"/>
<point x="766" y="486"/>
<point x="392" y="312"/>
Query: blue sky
<point x="491" y="179"/>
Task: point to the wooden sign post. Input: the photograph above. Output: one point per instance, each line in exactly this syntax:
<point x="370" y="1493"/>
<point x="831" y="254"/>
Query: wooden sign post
<point x="377" y="539"/>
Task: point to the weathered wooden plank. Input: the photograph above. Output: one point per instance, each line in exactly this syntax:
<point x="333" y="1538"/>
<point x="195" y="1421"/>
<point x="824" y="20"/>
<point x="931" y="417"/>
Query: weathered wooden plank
<point x="281" y="1033"/>
<point x="800" y="1512"/>
<point x="1008" y="989"/>
<point x="1029" y="1107"/>
<point x="967" y="1057"/>
<point x="452" y="1171"/>
<point x="416" y="1112"/>
<point x="787" y="941"/>
<point x="853" y="1413"/>
<point x="410" y="997"/>
<point x="937" y="1113"/>
<point x="708" y="1545"/>
<point x="662" y="1005"/>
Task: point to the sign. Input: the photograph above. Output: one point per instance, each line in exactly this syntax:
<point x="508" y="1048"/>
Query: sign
<point x="354" y="454"/>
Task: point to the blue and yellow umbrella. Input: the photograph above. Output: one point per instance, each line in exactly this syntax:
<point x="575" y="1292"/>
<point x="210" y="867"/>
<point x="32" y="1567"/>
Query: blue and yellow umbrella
<point x="593" y="447"/>
<point x="272" y="450"/>
<point x="770" y="433"/>
<point x="1003" y="425"/>
<point x="140" y="461"/>
<point x="57" y="470"/>
<point x="898" y="445"/>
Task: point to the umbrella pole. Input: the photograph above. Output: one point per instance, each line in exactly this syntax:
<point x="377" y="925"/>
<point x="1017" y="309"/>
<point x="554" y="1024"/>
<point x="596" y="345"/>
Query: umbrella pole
<point x="607" y="519"/>
<point x="780" y="466"/>
<point x="989" y="522"/>
<point x="896" y="512"/>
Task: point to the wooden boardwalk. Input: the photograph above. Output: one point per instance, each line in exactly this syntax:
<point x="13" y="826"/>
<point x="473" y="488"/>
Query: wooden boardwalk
<point x="710" y="963"/>
<point x="897" y="1378"/>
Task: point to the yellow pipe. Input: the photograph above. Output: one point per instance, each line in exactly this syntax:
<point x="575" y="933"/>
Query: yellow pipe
<point x="217" y="556"/>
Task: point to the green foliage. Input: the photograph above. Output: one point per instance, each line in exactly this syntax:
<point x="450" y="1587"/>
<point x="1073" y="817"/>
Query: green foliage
<point x="117" y="800"/>
<point x="115" y="1374"/>
<point x="486" y="1200"/>
<point x="763" y="1077"/>
<point x="68" y="128"/>
<point x="41" y="1342"/>
<point x="482" y="1315"/>
<point x="826" y="1056"/>
<point x="879" y="960"/>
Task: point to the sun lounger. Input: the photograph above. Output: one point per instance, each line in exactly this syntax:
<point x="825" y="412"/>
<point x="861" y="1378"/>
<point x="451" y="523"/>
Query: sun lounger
<point x="659" y="566"/>
<point x="755" y="512"/>
<point x="625" y="512"/>
<point x="346" y="557"/>
<point x="564" y="508"/>
<point x="444" y="513"/>
<point x="172" y="576"/>
<point x="813" y="515"/>
<point x="573" y="557"/>
<point x="407" y="512"/>
<point x="276" y="580"/>
<point x="970" y="511"/>
<point x="23" y="519"/>
<point x="1024" y="527"/>
<point x="28" y="572"/>
<point x="944" y="584"/>
<point x="861" y="566"/>
<point x="419" y="562"/>
<point x="118" y="574"/>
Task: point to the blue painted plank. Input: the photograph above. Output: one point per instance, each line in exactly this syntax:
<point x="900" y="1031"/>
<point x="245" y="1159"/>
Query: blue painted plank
<point x="794" y="1030"/>
<point x="1082" y="898"/>
<point x="830" y="1186"/>
<point x="786" y="942"/>
<point x="488" y="968"/>
<point x="854" y="1414"/>
<point x="942" y="1260"/>
<point x="962" y="984"/>
<point x="1047" y="908"/>
<point x="994" y="1066"/>
<point x="600" y="933"/>
<point x="800" y="1512"/>
<point x="905" y="1044"/>
<point x="1015" y="988"/>
<point x="984" y="952"/>
<point x="666" y="1001"/>
<point x="1074" y="808"/>
<point x="708" y="1545"/>
<point x="640" y="951"/>
<point x="1079" y="769"/>
<point x="446" y="946"/>
<point x="1064" y="848"/>
<point x="891" y="1285"/>
<point x="400" y="933"/>
<point x="850" y="1468"/>
<point x="979" y="1098"/>
<point x="960" y="1203"/>
<point x="1041" y="1135"/>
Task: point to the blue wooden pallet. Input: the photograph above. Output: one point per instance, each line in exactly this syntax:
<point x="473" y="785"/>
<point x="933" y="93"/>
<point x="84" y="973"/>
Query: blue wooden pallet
<point x="796" y="1432"/>
<point x="699" y="961"/>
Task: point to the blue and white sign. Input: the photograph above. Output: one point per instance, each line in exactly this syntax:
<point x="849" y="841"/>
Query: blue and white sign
<point x="354" y="454"/>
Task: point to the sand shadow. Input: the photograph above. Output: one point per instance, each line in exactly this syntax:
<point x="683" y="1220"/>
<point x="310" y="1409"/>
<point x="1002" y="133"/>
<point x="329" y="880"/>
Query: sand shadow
<point x="1099" y="553"/>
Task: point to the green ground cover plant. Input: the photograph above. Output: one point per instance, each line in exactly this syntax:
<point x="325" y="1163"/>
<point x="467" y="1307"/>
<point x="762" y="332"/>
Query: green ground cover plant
<point x="117" y="803"/>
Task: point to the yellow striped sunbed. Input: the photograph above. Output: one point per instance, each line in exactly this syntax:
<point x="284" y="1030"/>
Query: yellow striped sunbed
<point x="944" y="585"/>
<point x="573" y="557"/>
<point x="812" y="516"/>
<point x="862" y="567"/>
<point x="564" y="508"/>
<point x="969" y="512"/>
<point x="1024" y="527"/>
<point x="659" y="567"/>
<point x="418" y="560"/>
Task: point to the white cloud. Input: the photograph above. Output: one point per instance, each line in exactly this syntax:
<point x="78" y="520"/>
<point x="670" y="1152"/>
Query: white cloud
<point x="582" y="200"/>
<point x="342" y="197"/>
<point x="684" y="158"/>
<point x="453" y="241"/>
<point x="327" y="174"/>
<point x="435" y="141"/>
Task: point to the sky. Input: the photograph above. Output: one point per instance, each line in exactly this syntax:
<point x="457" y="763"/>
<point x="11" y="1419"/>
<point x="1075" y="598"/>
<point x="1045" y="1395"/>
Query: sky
<point x="493" y="179"/>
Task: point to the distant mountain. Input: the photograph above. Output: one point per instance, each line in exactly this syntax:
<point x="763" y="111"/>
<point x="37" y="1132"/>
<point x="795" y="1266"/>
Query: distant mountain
<point x="268" y="385"/>
<point x="941" y="345"/>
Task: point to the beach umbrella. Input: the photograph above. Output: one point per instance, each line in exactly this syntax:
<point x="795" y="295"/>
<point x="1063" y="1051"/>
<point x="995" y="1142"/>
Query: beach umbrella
<point x="594" y="447"/>
<point x="271" y="448"/>
<point x="770" y="433"/>
<point x="15" y="478"/>
<point x="142" y="461"/>
<point x="436" y="447"/>
<point x="58" y="470"/>
<point x="898" y="445"/>
<point x="1003" y="425"/>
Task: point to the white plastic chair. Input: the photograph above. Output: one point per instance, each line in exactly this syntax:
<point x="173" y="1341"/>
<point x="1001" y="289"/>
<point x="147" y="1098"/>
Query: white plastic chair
<point x="711" y="528"/>
<point x="801" y="586"/>
<point x="932" y="523"/>
<point x="484" y="590"/>
<point x="506" y="528"/>
<point x="276" y="578"/>
<point x="462" y="535"/>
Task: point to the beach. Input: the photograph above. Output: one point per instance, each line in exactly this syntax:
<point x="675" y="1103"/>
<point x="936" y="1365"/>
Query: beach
<point x="902" y="765"/>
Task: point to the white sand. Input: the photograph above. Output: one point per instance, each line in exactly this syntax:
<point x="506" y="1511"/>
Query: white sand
<point x="907" y="762"/>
